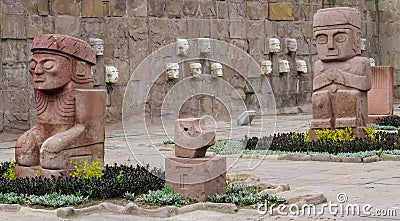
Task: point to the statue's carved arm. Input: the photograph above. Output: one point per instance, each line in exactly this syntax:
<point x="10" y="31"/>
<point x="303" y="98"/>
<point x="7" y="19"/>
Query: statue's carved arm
<point x="60" y="141"/>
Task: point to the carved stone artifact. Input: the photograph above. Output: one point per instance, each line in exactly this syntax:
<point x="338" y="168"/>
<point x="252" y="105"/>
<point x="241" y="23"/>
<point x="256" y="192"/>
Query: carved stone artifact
<point x="98" y="45"/>
<point x="266" y="67"/>
<point x="342" y="78"/>
<point x="283" y="66"/>
<point x="111" y="74"/>
<point x="190" y="172"/>
<point x="182" y="46"/>
<point x="291" y="44"/>
<point x="70" y="114"/>
<point x="195" y="69"/>
<point x="301" y="66"/>
<point x="274" y="45"/>
<point x="363" y="44"/>
<point x="173" y="70"/>
<point x="216" y="70"/>
<point x="192" y="138"/>
<point x="204" y="45"/>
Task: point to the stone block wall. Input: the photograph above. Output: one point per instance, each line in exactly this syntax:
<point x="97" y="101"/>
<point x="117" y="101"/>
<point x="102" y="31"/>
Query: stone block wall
<point x="132" y="29"/>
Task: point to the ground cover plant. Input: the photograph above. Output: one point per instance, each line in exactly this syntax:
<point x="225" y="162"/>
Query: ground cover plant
<point x="245" y="195"/>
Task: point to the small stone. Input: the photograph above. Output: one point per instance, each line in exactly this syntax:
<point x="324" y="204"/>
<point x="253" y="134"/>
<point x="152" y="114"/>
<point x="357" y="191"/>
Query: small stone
<point x="65" y="212"/>
<point x="10" y="207"/>
<point x="351" y="159"/>
<point x="320" y="157"/>
<point x="370" y="159"/>
<point x="391" y="157"/>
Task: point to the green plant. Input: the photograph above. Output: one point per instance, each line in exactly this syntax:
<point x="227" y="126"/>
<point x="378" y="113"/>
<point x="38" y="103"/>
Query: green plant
<point x="51" y="200"/>
<point x="227" y="147"/>
<point x="169" y="142"/>
<point x="389" y="121"/>
<point x="165" y="196"/>
<point x="370" y="132"/>
<point x="244" y="195"/>
<point x="326" y="134"/>
<point x="9" y="174"/>
<point x="84" y="170"/>
<point x="129" y="196"/>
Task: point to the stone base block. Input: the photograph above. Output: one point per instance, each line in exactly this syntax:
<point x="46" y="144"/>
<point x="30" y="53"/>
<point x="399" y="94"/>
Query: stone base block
<point x="21" y="171"/>
<point x="196" y="178"/>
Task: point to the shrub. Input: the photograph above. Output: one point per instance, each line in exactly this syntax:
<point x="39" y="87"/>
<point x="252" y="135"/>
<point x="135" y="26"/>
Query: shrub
<point x="84" y="170"/>
<point x="296" y="142"/>
<point x="9" y="171"/>
<point x="244" y="195"/>
<point x="389" y="121"/>
<point x="135" y="180"/>
<point x="164" y="197"/>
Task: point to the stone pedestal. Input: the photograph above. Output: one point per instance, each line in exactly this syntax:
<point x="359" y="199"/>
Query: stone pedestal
<point x="198" y="177"/>
<point x="380" y="97"/>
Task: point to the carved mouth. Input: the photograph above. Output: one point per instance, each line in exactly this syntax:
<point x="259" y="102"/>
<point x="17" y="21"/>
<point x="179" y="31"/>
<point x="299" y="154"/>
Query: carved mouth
<point x="39" y="80"/>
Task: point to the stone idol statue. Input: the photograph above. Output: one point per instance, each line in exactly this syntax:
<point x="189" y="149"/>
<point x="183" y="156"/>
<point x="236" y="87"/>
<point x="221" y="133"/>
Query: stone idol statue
<point x="342" y="77"/>
<point x="70" y="114"/>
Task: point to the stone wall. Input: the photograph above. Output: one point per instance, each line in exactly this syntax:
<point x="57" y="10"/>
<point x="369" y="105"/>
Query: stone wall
<point x="132" y="29"/>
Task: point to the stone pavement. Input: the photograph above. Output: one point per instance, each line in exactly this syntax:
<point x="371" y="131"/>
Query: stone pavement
<point x="375" y="183"/>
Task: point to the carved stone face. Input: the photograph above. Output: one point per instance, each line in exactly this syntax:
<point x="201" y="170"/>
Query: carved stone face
<point x="173" y="70"/>
<point x="363" y="44"/>
<point x="301" y="66"/>
<point x="372" y="62"/>
<point x="216" y="70"/>
<point x="205" y="45"/>
<point x="195" y="69"/>
<point x="183" y="47"/>
<point x="98" y="45"/>
<point x="274" y="45"/>
<point x="266" y="67"/>
<point x="291" y="44"/>
<point x="111" y="74"/>
<point x="284" y="66"/>
<point x="50" y="71"/>
<point x="335" y="44"/>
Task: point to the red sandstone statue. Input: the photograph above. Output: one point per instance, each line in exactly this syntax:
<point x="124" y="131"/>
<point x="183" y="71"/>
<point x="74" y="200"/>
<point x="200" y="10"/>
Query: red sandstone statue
<point x="341" y="77"/>
<point x="70" y="114"/>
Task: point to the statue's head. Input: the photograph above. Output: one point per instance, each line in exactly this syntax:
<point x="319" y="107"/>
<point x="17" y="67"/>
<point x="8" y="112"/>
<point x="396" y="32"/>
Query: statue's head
<point x="173" y="70"/>
<point x="266" y="66"/>
<point x="216" y="70"/>
<point x="195" y="69"/>
<point x="337" y="33"/>
<point x="283" y="66"/>
<point x="59" y="59"/>
<point x="183" y="46"/>
<point x="301" y="66"/>
<point x="291" y="44"/>
<point x="98" y="45"/>
<point x="111" y="74"/>
<point x="274" y="45"/>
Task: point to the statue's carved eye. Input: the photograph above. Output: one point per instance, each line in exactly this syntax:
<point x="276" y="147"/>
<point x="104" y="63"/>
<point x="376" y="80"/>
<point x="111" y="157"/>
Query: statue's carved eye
<point x="32" y="65"/>
<point x="322" y="39"/>
<point x="48" y="65"/>
<point x="341" y="37"/>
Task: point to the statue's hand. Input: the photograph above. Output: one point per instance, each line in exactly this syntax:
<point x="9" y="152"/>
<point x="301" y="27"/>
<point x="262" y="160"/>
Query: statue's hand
<point x="53" y="144"/>
<point x="61" y="141"/>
